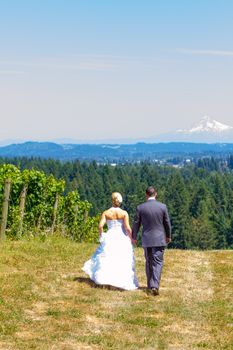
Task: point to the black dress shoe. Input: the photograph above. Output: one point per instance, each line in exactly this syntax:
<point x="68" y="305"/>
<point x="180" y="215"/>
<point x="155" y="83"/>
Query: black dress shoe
<point x="154" y="291"/>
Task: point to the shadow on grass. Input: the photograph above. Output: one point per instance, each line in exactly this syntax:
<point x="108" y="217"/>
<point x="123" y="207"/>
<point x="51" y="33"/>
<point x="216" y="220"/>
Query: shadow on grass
<point x="94" y="285"/>
<point x="104" y="286"/>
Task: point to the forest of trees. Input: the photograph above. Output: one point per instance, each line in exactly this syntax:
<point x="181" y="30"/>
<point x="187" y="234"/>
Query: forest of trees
<point x="199" y="197"/>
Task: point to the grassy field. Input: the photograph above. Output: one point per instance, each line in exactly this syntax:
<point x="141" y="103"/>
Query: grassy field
<point x="47" y="302"/>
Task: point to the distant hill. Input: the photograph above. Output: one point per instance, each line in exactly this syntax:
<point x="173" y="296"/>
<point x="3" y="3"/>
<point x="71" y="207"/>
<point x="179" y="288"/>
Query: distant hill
<point x="114" y="153"/>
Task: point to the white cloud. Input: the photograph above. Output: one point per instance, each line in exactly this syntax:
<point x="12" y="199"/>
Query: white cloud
<point x="87" y="62"/>
<point x="62" y="63"/>
<point x="206" y="52"/>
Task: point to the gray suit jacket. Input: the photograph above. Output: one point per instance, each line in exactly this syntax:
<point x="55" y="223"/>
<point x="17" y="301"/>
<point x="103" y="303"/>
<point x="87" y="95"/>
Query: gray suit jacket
<point x="156" y="226"/>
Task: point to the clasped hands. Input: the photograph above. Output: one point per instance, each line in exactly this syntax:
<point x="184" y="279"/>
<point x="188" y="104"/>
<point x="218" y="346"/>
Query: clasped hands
<point x="134" y="241"/>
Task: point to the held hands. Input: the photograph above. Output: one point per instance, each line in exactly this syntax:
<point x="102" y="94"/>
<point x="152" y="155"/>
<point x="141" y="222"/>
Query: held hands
<point x="133" y="241"/>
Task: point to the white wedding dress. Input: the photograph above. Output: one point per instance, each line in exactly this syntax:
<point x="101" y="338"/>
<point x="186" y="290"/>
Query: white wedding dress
<point x="113" y="262"/>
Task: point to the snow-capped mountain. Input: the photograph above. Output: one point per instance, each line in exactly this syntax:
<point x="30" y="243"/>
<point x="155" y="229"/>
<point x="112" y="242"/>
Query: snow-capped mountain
<point x="207" y="130"/>
<point x="209" y="125"/>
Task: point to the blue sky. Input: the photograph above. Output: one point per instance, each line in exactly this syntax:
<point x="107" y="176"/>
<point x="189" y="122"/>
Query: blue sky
<point x="113" y="69"/>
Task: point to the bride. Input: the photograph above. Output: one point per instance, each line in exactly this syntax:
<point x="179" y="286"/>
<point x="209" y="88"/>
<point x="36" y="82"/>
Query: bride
<point x="113" y="261"/>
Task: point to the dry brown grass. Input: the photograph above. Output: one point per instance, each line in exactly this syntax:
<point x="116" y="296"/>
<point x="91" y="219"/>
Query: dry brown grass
<point x="48" y="303"/>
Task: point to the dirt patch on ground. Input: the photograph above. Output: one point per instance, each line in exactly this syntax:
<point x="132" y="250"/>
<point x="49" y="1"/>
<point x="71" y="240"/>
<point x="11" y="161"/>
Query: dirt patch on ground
<point x="37" y="312"/>
<point x="71" y="345"/>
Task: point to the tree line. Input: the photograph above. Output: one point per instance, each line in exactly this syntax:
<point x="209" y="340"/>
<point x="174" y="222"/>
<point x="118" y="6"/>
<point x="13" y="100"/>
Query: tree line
<point x="199" y="197"/>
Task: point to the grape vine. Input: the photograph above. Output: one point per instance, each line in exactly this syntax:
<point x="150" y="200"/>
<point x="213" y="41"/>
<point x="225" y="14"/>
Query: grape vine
<point x="37" y="205"/>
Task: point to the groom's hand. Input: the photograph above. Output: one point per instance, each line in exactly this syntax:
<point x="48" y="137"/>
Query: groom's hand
<point x="134" y="242"/>
<point x="168" y="240"/>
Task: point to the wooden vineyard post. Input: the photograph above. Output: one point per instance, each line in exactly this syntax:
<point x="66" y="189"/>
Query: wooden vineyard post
<point x="75" y="220"/>
<point x="55" y="207"/>
<point x="5" y="206"/>
<point x="22" y="207"/>
<point x="38" y="224"/>
<point x="85" y="216"/>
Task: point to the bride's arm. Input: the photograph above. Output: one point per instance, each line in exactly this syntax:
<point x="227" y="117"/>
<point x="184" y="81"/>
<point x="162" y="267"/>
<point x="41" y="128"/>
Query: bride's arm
<point x="102" y="223"/>
<point x="127" y="225"/>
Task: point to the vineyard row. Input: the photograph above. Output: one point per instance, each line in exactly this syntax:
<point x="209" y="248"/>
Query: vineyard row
<point x="33" y="203"/>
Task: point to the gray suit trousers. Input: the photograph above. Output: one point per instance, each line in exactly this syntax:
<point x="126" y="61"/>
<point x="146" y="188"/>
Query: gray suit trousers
<point x="154" y="265"/>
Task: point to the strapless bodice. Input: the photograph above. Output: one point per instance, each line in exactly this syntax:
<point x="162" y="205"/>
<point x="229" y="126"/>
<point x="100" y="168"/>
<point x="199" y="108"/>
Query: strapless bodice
<point x="115" y="223"/>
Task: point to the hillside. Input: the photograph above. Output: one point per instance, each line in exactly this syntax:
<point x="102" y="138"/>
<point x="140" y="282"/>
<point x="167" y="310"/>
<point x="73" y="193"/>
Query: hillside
<point x="48" y="303"/>
<point x="115" y="152"/>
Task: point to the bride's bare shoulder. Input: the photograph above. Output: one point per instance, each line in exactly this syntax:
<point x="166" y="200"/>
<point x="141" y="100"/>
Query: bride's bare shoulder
<point x="108" y="213"/>
<point x="114" y="213"/>
<point x="124" y="212"/>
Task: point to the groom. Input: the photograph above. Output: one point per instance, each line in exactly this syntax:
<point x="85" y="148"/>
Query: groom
<point x="156" y="234"/>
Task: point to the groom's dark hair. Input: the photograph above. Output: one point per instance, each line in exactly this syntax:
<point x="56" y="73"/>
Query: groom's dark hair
<point x="150" y="191"/>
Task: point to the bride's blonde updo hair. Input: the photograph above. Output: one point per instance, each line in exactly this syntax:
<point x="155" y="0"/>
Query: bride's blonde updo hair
<point x="116" y="199"/>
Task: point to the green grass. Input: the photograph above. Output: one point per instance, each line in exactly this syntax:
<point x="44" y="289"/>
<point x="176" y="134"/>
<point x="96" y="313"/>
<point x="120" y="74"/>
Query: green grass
<point x="48" y="303"/>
